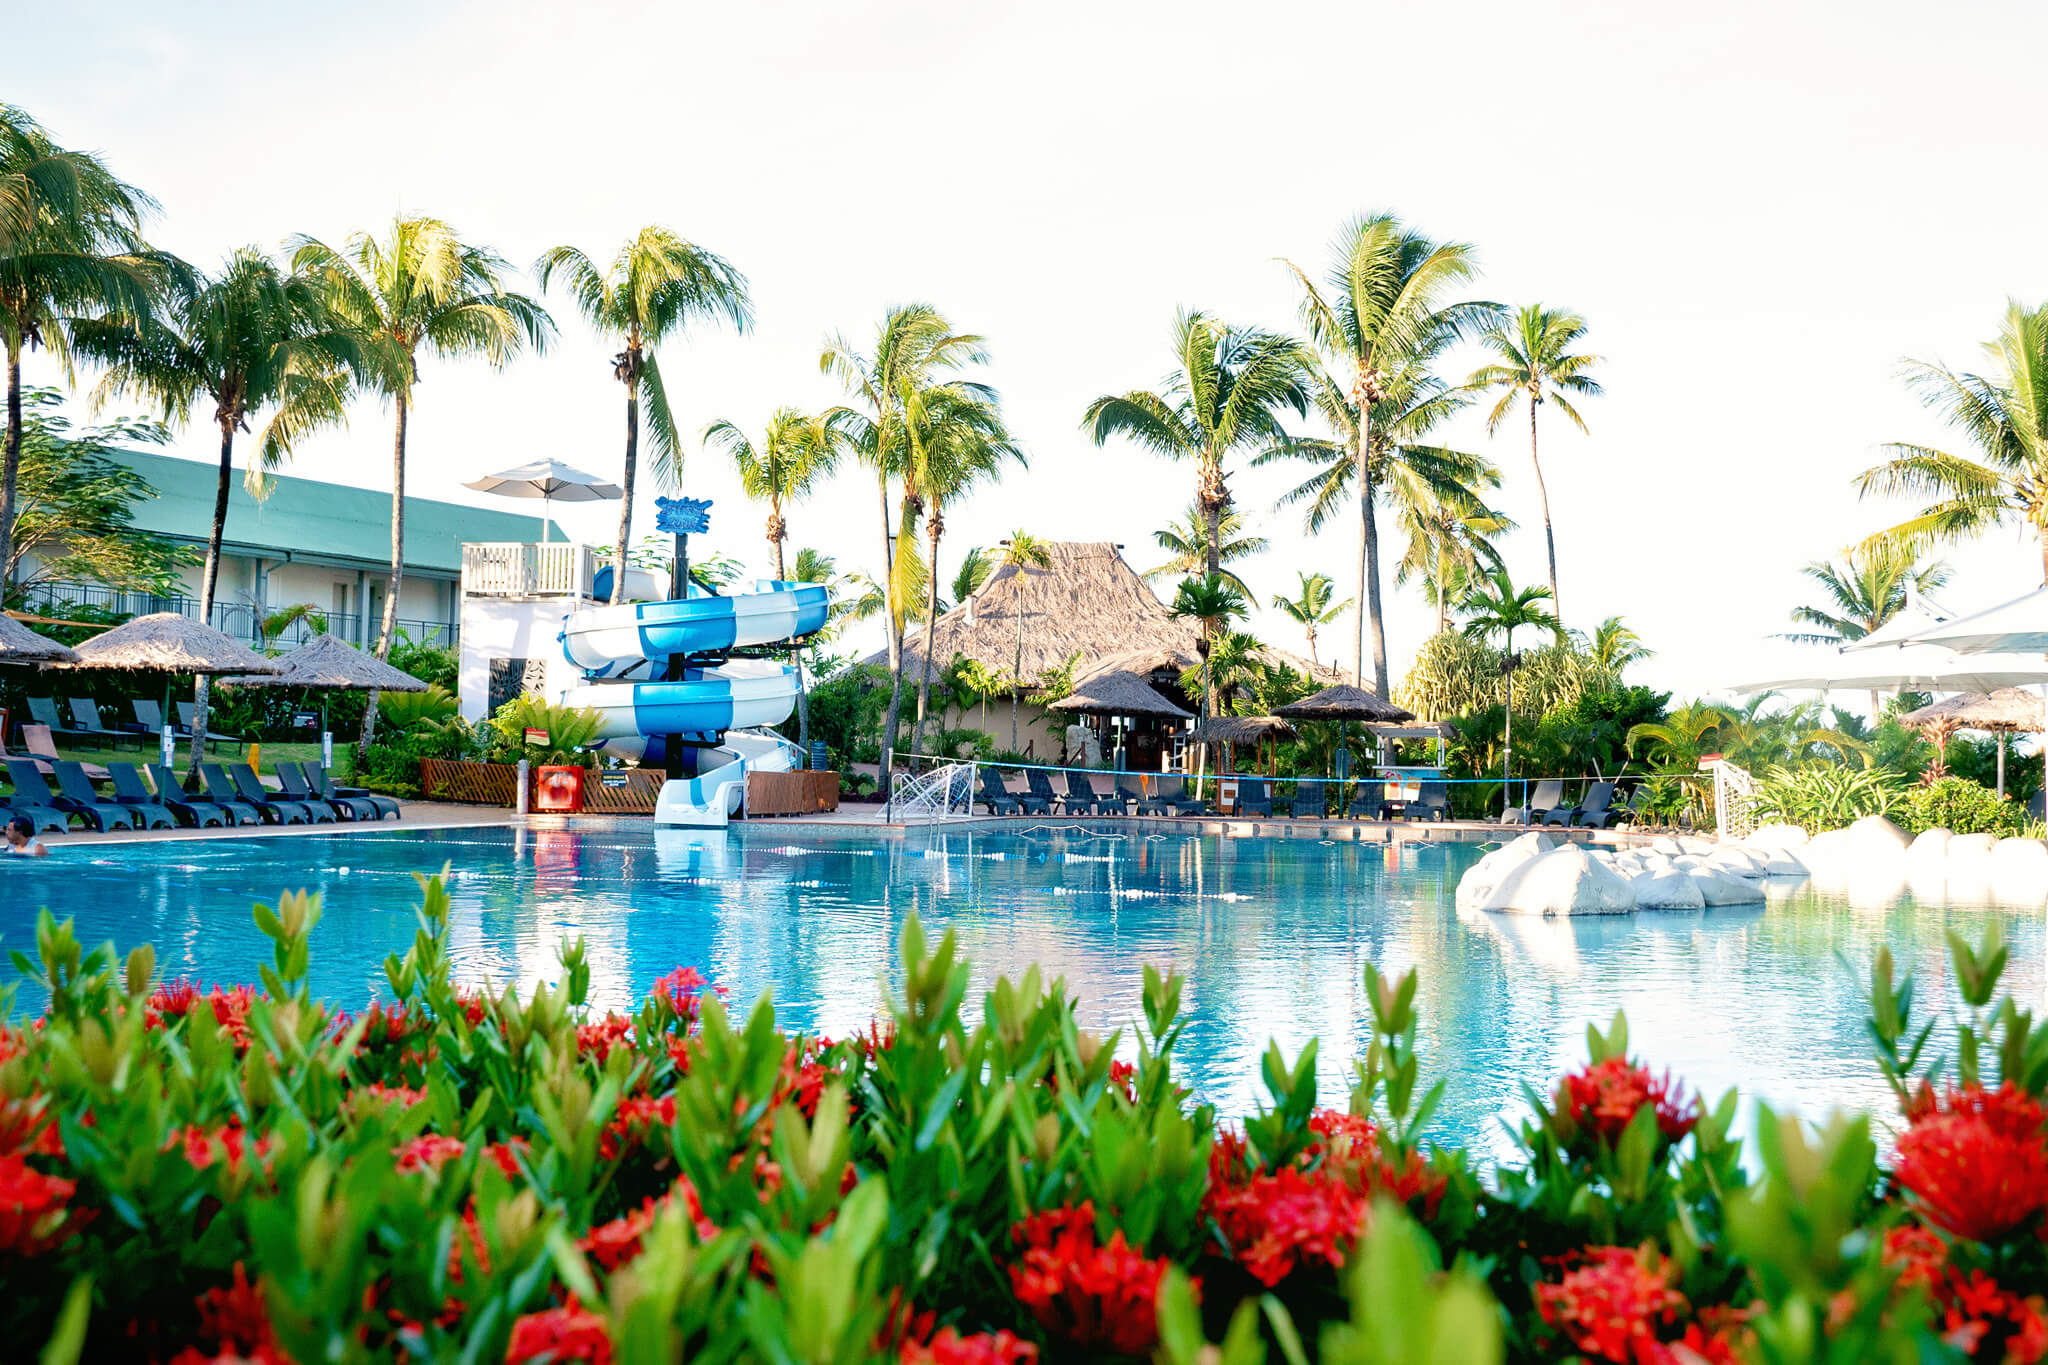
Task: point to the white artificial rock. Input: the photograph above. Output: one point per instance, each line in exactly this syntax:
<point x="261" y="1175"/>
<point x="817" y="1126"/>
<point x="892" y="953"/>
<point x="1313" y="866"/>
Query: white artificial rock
<point x="1481" y="878"/>
<point x="1718" y="888"/>
<point x="1783" y="862"/>
<point x="1564" y="881"/>
<point x="1667" y="846"/>
<point x="1668" y="888"/>
<point x="1929" y="846"/>
<point x="1875" y="833"/>
<point x="2019" y="853"/>
<point x="1738" y="861"/>
<point x="1971" y="847"/>
<point x="1777" y="836"/>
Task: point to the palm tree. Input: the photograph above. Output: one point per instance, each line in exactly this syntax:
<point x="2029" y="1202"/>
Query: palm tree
<point x="250" y="338"/>
<point x="1866" y="588"/>
<point x="915" y="355"/>
<point x="1536" y="362"/>
<point x="1498" y="605"/>
<point x="1683" y="737"/>
<point x="420" y="289"/>
<point x="1616" y="646"/>
<point x="70" y="246"/>
<point x="1020" y="551"/>
<point x="1382" y="306"/>
<point x="657" y="285"/>
<point x="1225" y="396"/>
<point x="1311" y="606"/>
<point x="1449" y="546"/>
<point x="1212" y="603"/>
<point x="1187" y="541"/>
<point x="1232" y="662"/>
<point x="794" y="453"/>
<point x="975" y="567"/>
<point x="956" y="441"/>
<point x="2004" y="413"/>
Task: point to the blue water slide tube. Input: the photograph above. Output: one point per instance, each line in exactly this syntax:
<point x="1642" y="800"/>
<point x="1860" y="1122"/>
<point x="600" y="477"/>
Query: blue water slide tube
<point x="608" y="641"/>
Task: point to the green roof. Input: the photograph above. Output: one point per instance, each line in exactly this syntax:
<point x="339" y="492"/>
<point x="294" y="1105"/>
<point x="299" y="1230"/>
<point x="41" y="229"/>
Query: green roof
<point x="314" y="522"/>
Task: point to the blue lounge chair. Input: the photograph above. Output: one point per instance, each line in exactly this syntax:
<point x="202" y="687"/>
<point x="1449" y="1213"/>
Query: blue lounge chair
<point x="86" y="717"/>
<point x="1127" y="787"/>
<point x="130" y="792"/>
<point x="1039" y="782"/>
<point x="1591" y="812"/>
<point x="1031" y="802"/>
<point x="222" y="793"/>
<point x="1079" y="798"/>
<point x="993" y="796"/>
<point x="276" y="810"/>
<point x="293" y="783"/>
<point x="188" y="712"/>
<point x="318" y="779"/>
<point x="1311" y="800"/>
<point x="76" y="795"/>
<point x="32" y="799"/>
<point x="43" y="710"/>
<point x="1254" y="797"/>
<point x="172" y="794"/>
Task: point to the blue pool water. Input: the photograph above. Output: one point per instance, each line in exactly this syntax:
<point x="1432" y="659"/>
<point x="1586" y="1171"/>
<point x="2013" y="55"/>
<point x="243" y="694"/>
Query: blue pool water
<point x="1273" y="934"/>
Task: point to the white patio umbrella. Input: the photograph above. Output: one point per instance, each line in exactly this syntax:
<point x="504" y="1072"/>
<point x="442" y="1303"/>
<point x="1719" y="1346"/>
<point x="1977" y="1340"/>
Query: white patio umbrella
<point x="2020" y="625"/>
<point x="550" y="481"/>
<point x="1918" y="668"/>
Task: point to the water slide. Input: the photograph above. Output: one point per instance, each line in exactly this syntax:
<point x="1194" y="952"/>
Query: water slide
<point x="716" y="706"/>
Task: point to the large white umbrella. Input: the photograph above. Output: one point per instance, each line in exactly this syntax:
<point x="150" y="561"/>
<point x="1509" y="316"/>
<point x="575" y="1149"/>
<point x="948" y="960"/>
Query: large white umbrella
<point x="2019" y="625"/>
<point x="1918" y="668"/>
<point x="551" y="481"/>
<point x="1919" y="615"/>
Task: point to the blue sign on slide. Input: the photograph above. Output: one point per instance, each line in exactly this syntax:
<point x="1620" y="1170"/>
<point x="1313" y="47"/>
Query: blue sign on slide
<point x="682" y="516"/>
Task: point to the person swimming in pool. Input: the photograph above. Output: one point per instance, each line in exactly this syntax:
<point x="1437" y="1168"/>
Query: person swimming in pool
<point x="22" y="841"/>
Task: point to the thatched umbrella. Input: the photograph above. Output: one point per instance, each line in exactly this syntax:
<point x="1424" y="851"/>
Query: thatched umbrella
<point x="327" y="663"/>
<point x="167" y="643"/>
<point x="1116" y="692"/>
<point x="2008" y="711"/>
<point x="1231" y="731"/>
<point x="1341" y="703"/>
<point x="20" y="645"/>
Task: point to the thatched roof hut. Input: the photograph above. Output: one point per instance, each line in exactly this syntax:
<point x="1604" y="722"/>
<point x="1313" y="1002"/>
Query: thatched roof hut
<point x="165" y="642"/>
<point x="329" y="662"/>
<point x="1342" y="701"/>
<point x="1118" y="692"/>
<point x="2009" y="710"/>
<point x="1242" y="730"/>
<point x="20" y="645"/>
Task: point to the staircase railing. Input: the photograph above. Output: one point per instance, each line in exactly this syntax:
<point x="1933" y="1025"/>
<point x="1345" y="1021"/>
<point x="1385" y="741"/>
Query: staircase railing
<point x="942" y="793"/>
<point x="1734" y="799"/>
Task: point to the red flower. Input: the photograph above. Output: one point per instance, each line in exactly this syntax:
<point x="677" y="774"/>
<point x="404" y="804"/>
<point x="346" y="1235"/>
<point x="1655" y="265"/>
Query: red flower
<point x="983" y="1348"/>
<point x="428" y="1152"/>
<point x="1350" y="1147"/>
<point x="1976" y="1163"/>
<point x="173" y="1000"/>
<point x="371" y="1099"/>
<point x="566" y="1333"/>
<point x="613" y="1244"/>
<point x="26" y="1127"/>
<point x="228" y="1144"/>
<point x="506" y="1154"/>
<point x="632" y="1121"/>
<point x="34" y="1208"/>
<point x="1616" y="1304"/>
<point x="682" y="989"/>
<point x="1991" y="1323"/>
<point x="1095" y="1295"/>
<point x="1277" y="1223"/>
<point x="597" y="1039"/>
<point x="1603" y="1098"/>
<point x="234" y="1320"/>
<point x="1921" y="1256"/>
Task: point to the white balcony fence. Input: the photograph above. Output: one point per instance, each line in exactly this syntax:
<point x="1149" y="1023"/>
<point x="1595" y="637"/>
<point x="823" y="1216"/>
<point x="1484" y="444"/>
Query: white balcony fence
<point x="515" y="569"/>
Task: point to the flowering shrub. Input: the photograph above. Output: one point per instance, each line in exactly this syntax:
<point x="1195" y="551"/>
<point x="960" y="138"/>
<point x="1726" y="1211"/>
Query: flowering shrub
<point x="244" y="1173"/>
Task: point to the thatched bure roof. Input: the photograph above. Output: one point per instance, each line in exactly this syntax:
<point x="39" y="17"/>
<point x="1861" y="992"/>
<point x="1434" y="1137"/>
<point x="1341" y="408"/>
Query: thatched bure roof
<point x="326" y="661"/>
<point x="1118" y="692"/>
<point x="1343" y="702"/>
<point x="165" y="642"/>
<point x="1087" y="600"/>
<point x="1242" y="730"/>
<point x="2011" y="709"/>
<point x="20" y="645"/>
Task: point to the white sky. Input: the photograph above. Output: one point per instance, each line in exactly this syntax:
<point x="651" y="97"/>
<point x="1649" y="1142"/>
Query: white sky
<point x="1759" y="207"/>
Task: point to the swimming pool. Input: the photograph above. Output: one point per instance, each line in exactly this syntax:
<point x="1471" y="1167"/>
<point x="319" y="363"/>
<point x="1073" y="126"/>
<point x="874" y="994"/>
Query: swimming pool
<point x="1273" y="934"/>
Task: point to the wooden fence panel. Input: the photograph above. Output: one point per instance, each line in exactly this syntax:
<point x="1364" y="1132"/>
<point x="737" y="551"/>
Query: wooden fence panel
<point x="479" y="784"/>
<point x="797" y="793"/>
<point x="626" y="791"/>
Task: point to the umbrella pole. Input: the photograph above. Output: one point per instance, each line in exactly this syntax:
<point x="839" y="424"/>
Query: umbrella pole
<point x="545" y="500"/>
<point x="2001" y="765"/>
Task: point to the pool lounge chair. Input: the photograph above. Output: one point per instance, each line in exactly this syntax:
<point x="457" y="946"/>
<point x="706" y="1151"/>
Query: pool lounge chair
<point x="1079" y="798"/>
<point x="149" y="717"/>
<point x="1432" y="801"/>
<point x="1310" y="800"/>
<point x="76" y="795"/>
<point x="319" y="781"/>
<point x="43" y="710"/>
<point x="1030" y="801"/>
<point x="325" y="809"/>
<point x="992" y="795"/>
<point x="33" y="800"/>
<point x="130" y="792"/>
<point x="1548" y="797"/>
<point x="277" y="809"/>
<point x="1254" y="797"/>
<point x="1171" y="797"/>
<point x="86" y="717"/>
<point x="1593" y="812"/>
<point x="185" y="806"/>
<point x="187" y="711"/>
<point x="222" y="793"/>
<point x="1039" y="781"/>
<point x="1128" y="787"/>
<point x="1114" y="801"/>
<point x="42" y="751"/>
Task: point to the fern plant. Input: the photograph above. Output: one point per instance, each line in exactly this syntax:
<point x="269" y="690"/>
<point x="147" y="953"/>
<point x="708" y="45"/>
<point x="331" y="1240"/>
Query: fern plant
<point x="570" y="731"/>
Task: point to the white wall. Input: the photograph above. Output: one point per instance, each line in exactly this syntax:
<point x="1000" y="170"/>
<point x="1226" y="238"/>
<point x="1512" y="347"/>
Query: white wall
<point x="503" y="628"/>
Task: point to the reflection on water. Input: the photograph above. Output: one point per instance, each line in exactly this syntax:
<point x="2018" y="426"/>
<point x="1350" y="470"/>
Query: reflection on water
<point x="1273" y="935"/>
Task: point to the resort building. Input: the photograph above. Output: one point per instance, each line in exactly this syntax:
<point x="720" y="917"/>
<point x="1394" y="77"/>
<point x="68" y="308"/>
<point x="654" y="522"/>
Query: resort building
<point x="325" y="546"/>
<point x="1027" y="622"/>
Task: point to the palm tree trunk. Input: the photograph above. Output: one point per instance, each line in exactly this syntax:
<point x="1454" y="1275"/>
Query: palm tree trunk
<point x="1369" y="568"/>
<point x="10" y="466"/>
<point x="210" y="575"/>
<point x="889" y="621"/>
<point x="1549" y="540"/>
<point x="780" y="575"/>
<point x="626" y="491"/>
<point x="931" y="620"/>
<point x="389" y="626"/>
<point x="894" y="715"/>
<point x="1017" y="676"/>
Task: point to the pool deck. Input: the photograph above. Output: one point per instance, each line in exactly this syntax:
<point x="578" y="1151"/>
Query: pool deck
<point x="852" y="821"/>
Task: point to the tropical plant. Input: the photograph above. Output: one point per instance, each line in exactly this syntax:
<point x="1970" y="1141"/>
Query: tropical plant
<point x="1959" y="806"/>
<point x="1823" y="796"/>
<point x="1225" y="396"/>
<point x="1862" y="591"/>
<point x="1616" y="646"/>
<point x="794" y="453"/>
<point x="975" y="567"/>
<point x="70" y="247"/>
<point x="283" y="619"/>
<point x="1381" y="314"/>
<point x="1311" y="607"/>
<point x="403" y="710"/>
<point x="916" y="358"/>
<point x="1230" y="666"/>
<point x="2004" y="414"/>
<point x="250" y="338"/>
<point x="1536" y="363"/>
<point x="429" y="662"/>
<point x="1498" y="605"/>
<point x="422" y="288"/>
<point x="980" y="684"/>
<point x="654" y="288"/>
<point x="1683" y="737"/>
<point x="568" y="732"/>
<point x="75" y="505"/>
<point x="1021" y="552"/>
<point x="1186" y="540"/>
<point x="1450" y="533"/>
<point x="1212" y="603"/>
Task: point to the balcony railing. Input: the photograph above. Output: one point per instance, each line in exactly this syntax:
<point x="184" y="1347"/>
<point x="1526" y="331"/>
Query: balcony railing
<point x="243" y="620"/>
<point x="515" y="569"/>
